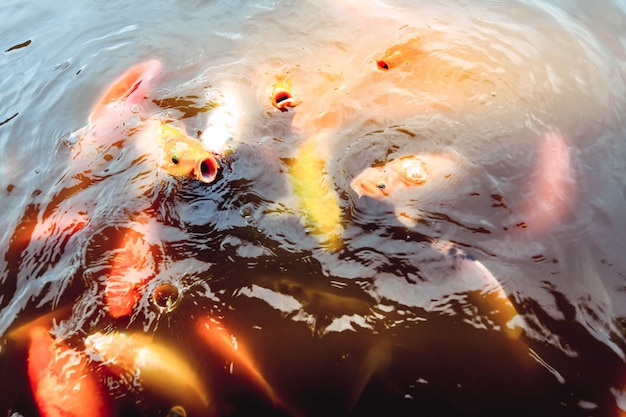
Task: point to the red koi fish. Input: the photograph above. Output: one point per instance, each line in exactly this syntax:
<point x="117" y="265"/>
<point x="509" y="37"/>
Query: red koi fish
<point x="62" y="383"/>
<point x="413" y="178"/>
<point x="132" y="267"/>
<point x="117" y="117"/>
<point x="223" y="343"/>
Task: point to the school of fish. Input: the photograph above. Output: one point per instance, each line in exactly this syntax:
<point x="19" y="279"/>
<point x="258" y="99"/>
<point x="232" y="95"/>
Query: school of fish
<point x="72" y="380"/>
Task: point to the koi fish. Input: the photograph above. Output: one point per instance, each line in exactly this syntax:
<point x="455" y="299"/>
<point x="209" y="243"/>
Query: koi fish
<point x="413" y="178"/>
<point x="282" y="95"/>
<point x="128" y="90"/>
<point x="132" y="267"/>
<point x="318" y="199"/>
<point x="225" y="121"/>
<point x="483" y="288"/>
<point x="400" y="54"/>
<point x="137" y="359"/>
<point x="61" y="380"/>
<point x="552" y="187"/>
<point x="178" y="154"/>
<point x="223" y="343"/>
<point x="117" y="117"/>
<point x="452" y="274"/>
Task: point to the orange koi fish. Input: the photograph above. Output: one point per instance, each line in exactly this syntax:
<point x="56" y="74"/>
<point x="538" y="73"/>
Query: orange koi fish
<point x="408" y="179"/>
<point x="223" y="343"/>
<point x="132" y="267"/>
<point x="136" y="360"/>
<point x="117" y="117"/>
<point x="62" y="382"/>
<point x="400" y="54"/>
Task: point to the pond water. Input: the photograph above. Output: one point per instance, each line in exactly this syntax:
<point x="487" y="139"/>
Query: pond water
<point x="499" y="292"/>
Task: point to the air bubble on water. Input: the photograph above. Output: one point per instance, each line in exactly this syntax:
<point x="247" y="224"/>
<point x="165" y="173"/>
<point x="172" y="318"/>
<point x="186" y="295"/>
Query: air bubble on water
<point x="70" y="139"/>
<point x="166" y="297"/>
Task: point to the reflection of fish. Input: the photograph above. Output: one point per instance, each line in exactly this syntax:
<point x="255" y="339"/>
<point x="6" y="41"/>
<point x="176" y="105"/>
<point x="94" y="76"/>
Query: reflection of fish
<point x="61" y="381"/>
<point x="117" y="117"/>
<point x="223" y="343"/>
<point x="136" y="358"/>
<point x="408" y="179"/>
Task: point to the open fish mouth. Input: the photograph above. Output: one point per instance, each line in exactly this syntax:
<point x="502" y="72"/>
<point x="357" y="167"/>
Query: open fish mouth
<point x="206" y="169"/>
<point x="282" y="98"/>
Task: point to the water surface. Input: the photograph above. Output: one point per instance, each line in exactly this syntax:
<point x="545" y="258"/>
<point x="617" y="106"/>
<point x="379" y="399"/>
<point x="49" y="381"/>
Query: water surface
<point x="376" y="325"/>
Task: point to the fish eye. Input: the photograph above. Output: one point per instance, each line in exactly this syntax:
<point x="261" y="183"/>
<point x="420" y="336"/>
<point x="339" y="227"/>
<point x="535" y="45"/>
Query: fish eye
<point x="175" y="159"/>
<point x="381" y="185"/>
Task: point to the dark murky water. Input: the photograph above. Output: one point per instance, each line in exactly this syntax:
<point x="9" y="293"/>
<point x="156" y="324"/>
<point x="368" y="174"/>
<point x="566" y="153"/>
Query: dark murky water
<point x="383" y="320"/>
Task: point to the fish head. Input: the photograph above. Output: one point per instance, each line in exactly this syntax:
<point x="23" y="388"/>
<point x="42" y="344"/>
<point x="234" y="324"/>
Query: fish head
<point x="398" y="55"/>
<point x="186" y="157"/>
<point x="375" y="182"/>
<point x="381" y="182"/>
<point x="282" y="95"/>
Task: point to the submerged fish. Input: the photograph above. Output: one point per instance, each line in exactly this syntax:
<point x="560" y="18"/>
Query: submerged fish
<point x="331" y="309"/>
<point x="224" y="344"/>
<point x="409" y="179"/>
<point x="62" y="382"/>
<point x="319" y="201"/>
<point x="133" y="265"/>
<point x="136" y="359"/>
<point x="551" y="190"/>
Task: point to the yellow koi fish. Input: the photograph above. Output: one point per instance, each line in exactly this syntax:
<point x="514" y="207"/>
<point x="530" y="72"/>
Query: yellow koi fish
<point x="319" y="201"/>
<point x="157" y="367"/>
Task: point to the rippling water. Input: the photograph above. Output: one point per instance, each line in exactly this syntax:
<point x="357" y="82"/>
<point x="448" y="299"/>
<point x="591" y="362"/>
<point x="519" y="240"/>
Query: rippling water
<point x="387" y="320"/>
